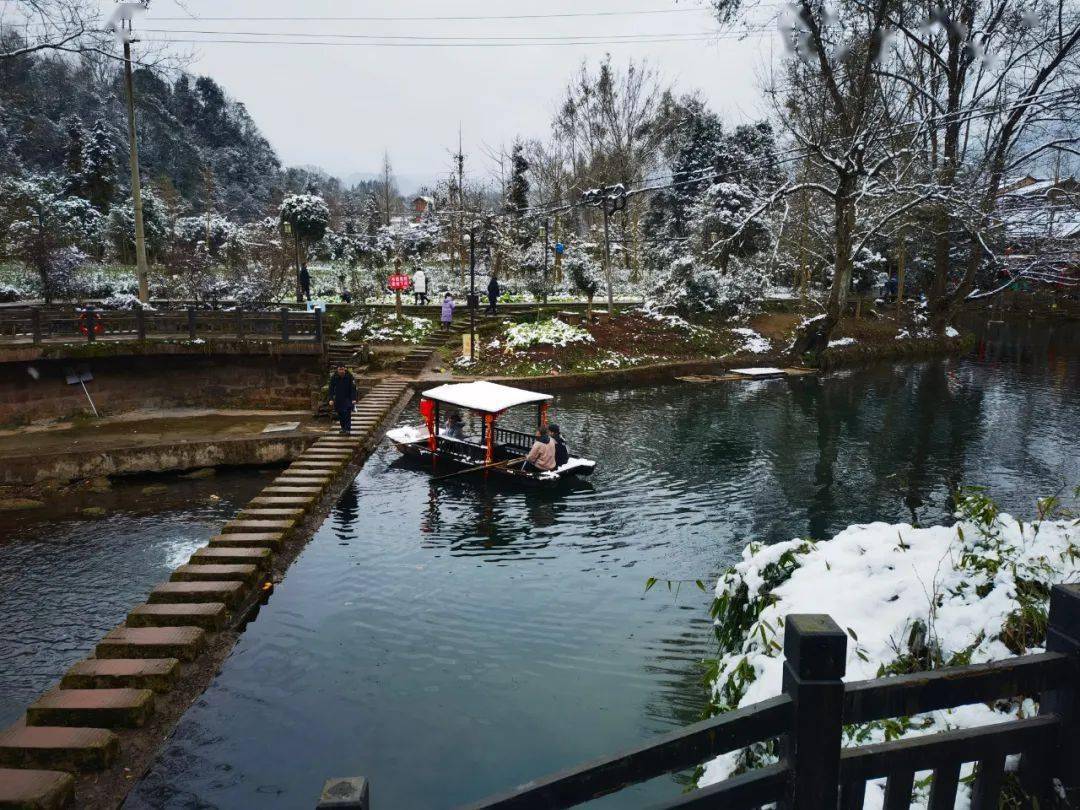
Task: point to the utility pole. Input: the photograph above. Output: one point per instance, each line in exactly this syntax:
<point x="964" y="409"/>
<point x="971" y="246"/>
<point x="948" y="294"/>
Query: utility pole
<point x="611" y="199"/>
<point x="459" y="158"/>
<point x="473" y="300"/>
<point x="546" y="236"/>
<point x="136" y="188"/>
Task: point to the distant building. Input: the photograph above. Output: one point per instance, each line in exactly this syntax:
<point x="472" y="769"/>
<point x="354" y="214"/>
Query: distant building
<point x="1039" y="227"/>
<point x="421" y="205"/>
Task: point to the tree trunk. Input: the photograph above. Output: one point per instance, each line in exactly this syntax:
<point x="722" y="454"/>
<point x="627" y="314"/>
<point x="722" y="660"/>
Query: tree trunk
<point x="813" y="337"/>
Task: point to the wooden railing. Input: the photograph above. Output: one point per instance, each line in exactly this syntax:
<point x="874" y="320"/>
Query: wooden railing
<point x="91" y="324"/>
<point x="514" y="439"/>
<point x="815" y="773"/>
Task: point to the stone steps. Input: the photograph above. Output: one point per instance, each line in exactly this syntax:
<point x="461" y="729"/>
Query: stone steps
<point x="36" y="790"/>
<point x="157" y="674"/>
<point x="184" y="643"/>
<point x="271" y="502"/>
<point x="94" y="708"/>
<point x="207" y="615"/>
<point x="292" y="490"/>
<point x="271" y="540"/>
<point x="173" y="593"/>
<point x="215" y="572"/>
<point x="247" y="526"/>
<point x="271" y="513"/>
<point x="58" y="748"/>
<point x="261" y="557"/>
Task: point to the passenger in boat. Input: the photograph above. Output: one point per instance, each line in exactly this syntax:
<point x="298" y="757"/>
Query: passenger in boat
<point x="455" y="426"/>
<point x="541" y="457"/>
<point x="562" y="454"/>
<point x="447" y="311"/>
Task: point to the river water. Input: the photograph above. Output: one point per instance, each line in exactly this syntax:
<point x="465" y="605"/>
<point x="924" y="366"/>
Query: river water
<point x="449" y="640"/>
<point x="65" y="581"/>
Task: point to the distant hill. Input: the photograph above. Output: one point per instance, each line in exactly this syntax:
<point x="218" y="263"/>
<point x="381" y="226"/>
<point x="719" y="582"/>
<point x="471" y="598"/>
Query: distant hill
<point x="194" y="141"/>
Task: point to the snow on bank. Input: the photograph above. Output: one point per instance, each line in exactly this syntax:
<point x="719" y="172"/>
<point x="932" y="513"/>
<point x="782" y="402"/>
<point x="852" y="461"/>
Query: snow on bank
<point x="552" y="332"/>
<point x="910" y="599"/>
<point x="844" y="341"/>
<point x="753" y="343"/>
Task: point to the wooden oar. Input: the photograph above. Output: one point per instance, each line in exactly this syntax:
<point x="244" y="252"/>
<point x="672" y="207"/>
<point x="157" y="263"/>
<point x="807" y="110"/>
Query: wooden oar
<point x="478" y="469"/>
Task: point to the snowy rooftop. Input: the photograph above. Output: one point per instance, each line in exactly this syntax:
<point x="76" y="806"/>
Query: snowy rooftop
<point x="484" y="396"/>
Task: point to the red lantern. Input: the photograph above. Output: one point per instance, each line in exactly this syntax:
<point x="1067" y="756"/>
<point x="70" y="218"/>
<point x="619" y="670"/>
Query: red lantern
<point x="399" y="282"/>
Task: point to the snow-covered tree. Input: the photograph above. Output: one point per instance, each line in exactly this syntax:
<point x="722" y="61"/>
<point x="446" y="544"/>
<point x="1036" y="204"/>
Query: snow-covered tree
<point x="41" y="228"/>
<point x="73" y="155"/>
<point x="584" y="273"/>
<point x="121" y="227"/>
<point x="99" y="166"/>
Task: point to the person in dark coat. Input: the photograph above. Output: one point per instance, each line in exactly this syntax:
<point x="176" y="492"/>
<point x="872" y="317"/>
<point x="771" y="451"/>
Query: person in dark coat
<point x="493" y="294"/>
<point x="305" y="283"/>
<point x="343" y="397"/>
<point x="562" y="454"/>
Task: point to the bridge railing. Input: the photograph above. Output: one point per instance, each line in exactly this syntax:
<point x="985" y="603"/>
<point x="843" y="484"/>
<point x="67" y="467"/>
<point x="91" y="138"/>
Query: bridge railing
<point x="71" y="324"/>
<point x="814" y="772"/>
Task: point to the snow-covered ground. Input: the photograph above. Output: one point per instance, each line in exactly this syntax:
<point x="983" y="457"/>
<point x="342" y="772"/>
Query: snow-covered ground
<point x="909" y="599"/>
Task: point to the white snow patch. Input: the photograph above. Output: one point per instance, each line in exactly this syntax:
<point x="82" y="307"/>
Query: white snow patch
<point x="844" y="341"/>
<point x="950" y="332"/>
<point x="877" y="581"/>
<point x="753" y="343"/>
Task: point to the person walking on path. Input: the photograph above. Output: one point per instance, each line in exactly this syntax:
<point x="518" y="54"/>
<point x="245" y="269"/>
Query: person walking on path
<point x="419" y="286"/>
<point x="305" y="283"/>
<point x="447" y="311"/>
<point x="493" y="294"/>
<point x="343" y="397"/>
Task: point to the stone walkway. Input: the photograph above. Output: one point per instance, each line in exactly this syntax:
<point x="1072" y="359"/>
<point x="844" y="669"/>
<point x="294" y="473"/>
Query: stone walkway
<point x="78" y="728"/>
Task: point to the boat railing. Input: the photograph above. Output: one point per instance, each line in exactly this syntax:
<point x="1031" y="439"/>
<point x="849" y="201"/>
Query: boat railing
<point x="514" y="438"/>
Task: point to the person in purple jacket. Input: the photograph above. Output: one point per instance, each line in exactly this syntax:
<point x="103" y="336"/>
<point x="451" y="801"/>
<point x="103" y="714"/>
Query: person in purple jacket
<point x="447" y="311"/>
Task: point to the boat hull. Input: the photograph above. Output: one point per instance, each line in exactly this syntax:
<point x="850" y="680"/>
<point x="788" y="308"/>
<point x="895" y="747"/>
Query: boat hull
<point x="446" y="463"/>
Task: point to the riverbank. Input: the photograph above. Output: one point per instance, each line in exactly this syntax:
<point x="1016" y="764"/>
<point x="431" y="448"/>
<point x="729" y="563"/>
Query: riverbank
<point x="860" y="342"/>
<point x="911" y="599"/>
<point x="42" y="458"/>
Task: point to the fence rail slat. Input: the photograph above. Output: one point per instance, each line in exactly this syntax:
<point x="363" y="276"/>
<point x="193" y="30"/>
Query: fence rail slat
<point x="991" y="772"/>
<point x="943" y="788"/>
<point x="852" y="795"/>
<point x="903" y="695"/>
<point x="898" y="790"/>
<point x="675" y="751"/>
<point x="961" y="745"/>
<point x="750" y="789"/>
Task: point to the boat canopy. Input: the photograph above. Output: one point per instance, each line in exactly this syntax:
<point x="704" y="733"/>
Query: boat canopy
<point x="486" y="397"/>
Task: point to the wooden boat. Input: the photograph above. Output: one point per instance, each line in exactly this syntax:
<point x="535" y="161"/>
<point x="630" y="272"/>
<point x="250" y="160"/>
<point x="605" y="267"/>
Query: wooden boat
<point x="496" y="451"/>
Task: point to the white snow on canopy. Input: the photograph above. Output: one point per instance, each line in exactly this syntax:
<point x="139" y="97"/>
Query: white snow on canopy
<point x="483" y="396"/>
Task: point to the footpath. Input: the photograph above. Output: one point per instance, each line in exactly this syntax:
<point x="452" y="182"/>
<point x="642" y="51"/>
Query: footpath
<point x="87" y="741"/>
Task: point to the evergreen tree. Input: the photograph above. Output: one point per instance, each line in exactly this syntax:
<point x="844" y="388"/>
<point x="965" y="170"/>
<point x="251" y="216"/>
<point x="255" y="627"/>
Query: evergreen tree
<point x="99" y="167"/>
<point x="73" y="155"/>
<point x="517" y="193"/>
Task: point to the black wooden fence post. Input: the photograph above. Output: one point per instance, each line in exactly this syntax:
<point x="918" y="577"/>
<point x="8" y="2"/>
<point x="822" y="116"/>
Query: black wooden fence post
<point x="815" y="649"/>
<point x="140" y="322"/>
<point x="1063" y="765"/>
<point x="318" y="326"/>
<point x="284" y="324"/>
<point x="191" y="322"/>
<point x="35" y="324"/>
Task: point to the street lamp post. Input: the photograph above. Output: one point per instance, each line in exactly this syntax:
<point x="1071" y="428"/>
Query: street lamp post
<point x="473" y="300"/>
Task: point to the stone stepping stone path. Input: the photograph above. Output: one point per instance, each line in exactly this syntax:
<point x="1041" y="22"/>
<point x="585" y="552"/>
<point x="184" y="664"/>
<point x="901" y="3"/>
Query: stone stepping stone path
<point x="71" y="729"/>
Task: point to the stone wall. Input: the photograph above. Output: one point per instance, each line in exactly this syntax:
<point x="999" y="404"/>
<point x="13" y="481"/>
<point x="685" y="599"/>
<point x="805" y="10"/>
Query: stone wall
<point x="36" y="389"/>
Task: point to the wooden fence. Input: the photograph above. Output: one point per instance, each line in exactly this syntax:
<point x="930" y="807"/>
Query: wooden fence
<point x="39" y="325"/>
<point x="815" y="773"/>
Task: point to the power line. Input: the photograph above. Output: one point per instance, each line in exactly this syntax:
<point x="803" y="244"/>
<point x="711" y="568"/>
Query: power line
<point x="450" y="18"/>
<point x="642" y="40"/>
<point x="438" y="37"/>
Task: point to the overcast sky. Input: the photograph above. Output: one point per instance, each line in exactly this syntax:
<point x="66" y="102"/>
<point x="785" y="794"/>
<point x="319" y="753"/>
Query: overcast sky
<point x="340" y="105"/>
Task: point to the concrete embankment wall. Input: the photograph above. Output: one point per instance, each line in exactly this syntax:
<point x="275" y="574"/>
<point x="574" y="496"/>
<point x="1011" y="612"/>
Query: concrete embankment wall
<point x="36" y="388"/>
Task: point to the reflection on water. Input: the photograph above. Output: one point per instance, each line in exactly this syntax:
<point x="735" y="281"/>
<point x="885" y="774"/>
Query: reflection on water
<point x="63" y="584"/>
<point x="448" y="640"/>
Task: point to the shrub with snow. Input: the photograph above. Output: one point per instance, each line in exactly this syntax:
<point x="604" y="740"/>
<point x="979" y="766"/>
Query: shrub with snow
<point x="380" y="329"/>
<point x="552" y="332"/>
<point x="911" y="599"/>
